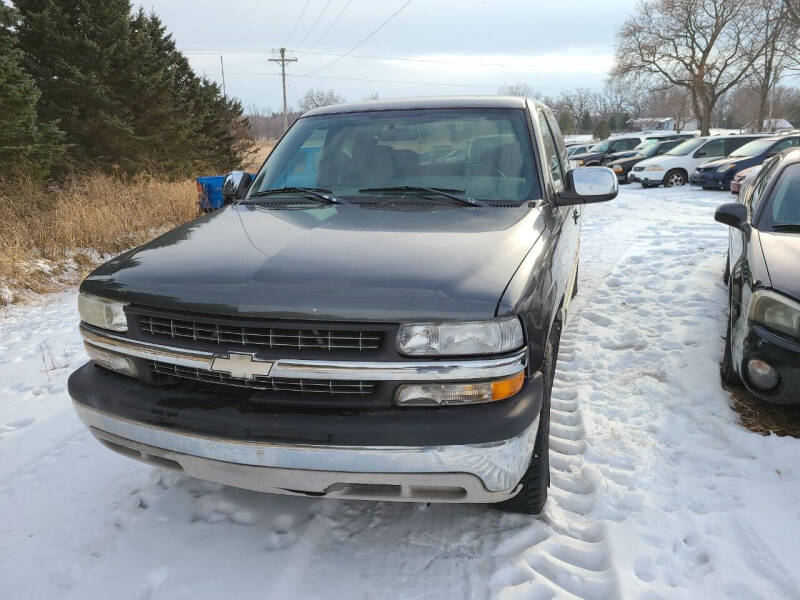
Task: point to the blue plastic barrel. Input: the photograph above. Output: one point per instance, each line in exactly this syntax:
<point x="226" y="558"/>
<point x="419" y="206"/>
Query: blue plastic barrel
<point x="209" y="192"/>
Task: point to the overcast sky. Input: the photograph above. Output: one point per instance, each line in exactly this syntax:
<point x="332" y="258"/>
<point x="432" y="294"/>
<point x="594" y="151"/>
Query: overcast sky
<point x="464" y="46"/>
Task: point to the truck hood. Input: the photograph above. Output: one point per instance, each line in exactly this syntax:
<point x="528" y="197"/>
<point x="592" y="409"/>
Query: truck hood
<point x="331" y="262"/>
<point x="782" y="255"/>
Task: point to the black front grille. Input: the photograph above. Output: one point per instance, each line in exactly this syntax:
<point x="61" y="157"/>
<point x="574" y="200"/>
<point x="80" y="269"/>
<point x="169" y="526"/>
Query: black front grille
<point x="332" y="387"/>
<point x="258" y="335"/>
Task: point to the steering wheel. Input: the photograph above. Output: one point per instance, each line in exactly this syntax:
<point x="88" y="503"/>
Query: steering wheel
<point x="493" y="171"/>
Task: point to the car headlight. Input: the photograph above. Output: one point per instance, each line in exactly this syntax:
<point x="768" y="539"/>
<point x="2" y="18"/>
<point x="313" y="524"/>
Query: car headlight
<point x="579" y="163"/>
<point x="776" y="311"/>
<point x="617" y="169"/>
<point x="455" y="338"/>
<point x="454" y="394"/>
<point x="725" y="168"/>
<point x="101" y="312"/>
<point x="654" y="168"/>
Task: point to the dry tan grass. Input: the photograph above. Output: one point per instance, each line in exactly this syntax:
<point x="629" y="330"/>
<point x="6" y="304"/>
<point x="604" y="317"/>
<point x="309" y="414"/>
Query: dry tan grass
<point x="53" y="236"/>
<point x="763" y="417"/>
<point x="263" y="148"/>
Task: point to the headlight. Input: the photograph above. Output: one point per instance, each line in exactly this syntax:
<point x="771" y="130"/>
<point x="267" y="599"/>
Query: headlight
<point x="449" y="394"/>
<point x="654" y="168"/>
<point x="776" y="312"/>
<point x="725" y="168"/>
<point x="617" y="169"/>
<point x="579" y="163"/>
<point x="452" y="338"/>
<point x="101" y="312"/>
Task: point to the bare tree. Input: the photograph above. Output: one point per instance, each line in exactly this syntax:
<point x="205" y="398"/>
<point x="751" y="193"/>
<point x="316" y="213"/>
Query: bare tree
<point x="704" y="46"/>
<point x="316" y="98"/>
<point x="673" y="102"/>
<point x="578" y="103"/>
<point x="518" y="89"/>
<point x="778" y="32"/>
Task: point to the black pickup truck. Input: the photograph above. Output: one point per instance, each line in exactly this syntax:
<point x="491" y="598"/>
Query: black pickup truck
<point x="379" y="317"/>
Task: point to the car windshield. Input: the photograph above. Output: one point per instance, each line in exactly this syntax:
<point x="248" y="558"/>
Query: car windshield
<point x="687" y="147"/>
<point x="650" y="150"/>
<point x="753" y="148"/>
<point x="601" y="147"/>
<point x="483" y="154"/>
<point x="783" y="211"/>
<point x="647" y="144"/>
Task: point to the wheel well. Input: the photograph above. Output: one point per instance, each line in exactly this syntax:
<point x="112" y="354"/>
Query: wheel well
<point x="683" y="172"/>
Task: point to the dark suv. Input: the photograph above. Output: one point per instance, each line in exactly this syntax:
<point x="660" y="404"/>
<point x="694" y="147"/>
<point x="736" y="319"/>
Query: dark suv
<point x="600" y="153"/>
<point x="379" y="317"/>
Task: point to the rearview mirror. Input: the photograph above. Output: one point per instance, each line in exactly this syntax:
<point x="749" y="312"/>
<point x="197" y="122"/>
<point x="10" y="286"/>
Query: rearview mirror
<point x="585" y="185"/>
<point x="236" y="185"/>
<point x="732" y="214"/>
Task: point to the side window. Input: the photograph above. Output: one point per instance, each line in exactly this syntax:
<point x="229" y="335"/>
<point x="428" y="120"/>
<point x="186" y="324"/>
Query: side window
<point x="757" y="195"/>
<point x="632" y="143"/>
<point x="782" y="145"/>
<point x="711" y="149"/>
<point x="556" y="131"/>
<point x="551" y="151"/>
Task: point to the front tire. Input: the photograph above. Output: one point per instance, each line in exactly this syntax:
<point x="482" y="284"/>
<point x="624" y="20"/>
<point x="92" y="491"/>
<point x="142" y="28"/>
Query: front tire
<point x="530" y="500"/>
<point x="674" y="178"/>
<point x="726" y="371"/>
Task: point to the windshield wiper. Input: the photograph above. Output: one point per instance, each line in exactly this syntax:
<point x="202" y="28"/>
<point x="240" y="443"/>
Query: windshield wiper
<point x="310" y="193"/>
<point x="786" y="227"/>
<point x="443" y="192"/>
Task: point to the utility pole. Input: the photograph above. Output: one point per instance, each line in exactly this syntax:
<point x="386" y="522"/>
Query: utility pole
<point x="283" y="60"/>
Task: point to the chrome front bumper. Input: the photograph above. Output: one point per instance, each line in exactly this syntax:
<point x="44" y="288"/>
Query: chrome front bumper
<point x="458" y="473"/>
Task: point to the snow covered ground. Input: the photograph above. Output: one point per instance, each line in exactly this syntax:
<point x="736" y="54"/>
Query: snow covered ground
<point x="656" y="491"/>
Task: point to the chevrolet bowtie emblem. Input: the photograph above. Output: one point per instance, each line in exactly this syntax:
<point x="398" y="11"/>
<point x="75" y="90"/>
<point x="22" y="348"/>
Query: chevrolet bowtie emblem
<point x="241" y="366"/>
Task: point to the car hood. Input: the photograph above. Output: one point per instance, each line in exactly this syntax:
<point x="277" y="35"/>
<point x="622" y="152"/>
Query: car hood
<point x="331" y="262"/>
<point x="782" y="255"/>
<point x="585" y="155"/>
<point x="623" y="154"/>
<point x="719" y="162"/>
<point x="625" y="159"/>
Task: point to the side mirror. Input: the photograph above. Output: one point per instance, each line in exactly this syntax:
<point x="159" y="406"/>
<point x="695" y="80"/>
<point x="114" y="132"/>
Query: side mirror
<point x="732" y="214"/>
<point x="236" y="185"/>
<point x="699" y="154"/>
<point x="585" y="185"/>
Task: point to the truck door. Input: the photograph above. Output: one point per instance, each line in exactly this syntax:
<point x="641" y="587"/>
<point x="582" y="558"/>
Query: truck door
<point x="565" y="261"/>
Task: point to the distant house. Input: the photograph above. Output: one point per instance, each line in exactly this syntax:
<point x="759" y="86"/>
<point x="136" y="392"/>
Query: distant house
<point x="772" y="125"/>
<point x="659" y="124"/>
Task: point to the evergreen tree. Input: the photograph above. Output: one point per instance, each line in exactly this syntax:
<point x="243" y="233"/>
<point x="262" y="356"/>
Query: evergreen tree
<point x="586" y="123"/>
<point x="74" y="50"/>
<point x="601" y="130"/>
<point x="566" y="123"/>
<point x="26" y="144"/>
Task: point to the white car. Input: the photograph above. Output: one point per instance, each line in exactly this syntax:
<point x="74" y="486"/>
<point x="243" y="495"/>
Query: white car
<point x="673" y="168"/>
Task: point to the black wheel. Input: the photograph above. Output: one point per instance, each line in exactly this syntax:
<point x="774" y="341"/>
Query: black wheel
<point x="726" y="371"/>
<point x="530" y="500"/>
<point x="648" y="185"/>
<point x="674" y="178"/>
<point x="726" y="275"/>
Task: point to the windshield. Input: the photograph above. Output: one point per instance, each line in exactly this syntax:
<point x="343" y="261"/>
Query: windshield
<point x="483" y="153"/>
<point x="646" y="144"/>
<point x="783" y="210"/>
<point x="601" y="147"/>
<point x="687" y="147"/>
<point x="753" y="148"/>
<point x="650" y="150"/>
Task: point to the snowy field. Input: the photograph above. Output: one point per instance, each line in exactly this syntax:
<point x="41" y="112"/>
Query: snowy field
<point x="656" y="492"/>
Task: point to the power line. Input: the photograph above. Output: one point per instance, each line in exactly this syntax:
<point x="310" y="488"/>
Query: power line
<point x="296" y="23"/>
<point x="363" y="57"/>
<point x="371" y="33"/>
<point x="336" y="20"/>
<point x="319" y="16"/>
